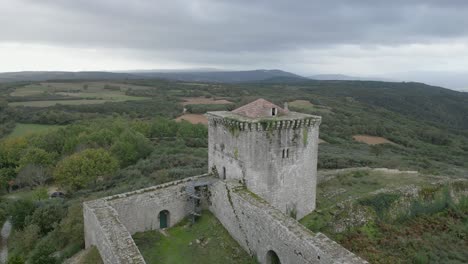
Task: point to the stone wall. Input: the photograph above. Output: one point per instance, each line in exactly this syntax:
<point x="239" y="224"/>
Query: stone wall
<point x="276" y="160"/>
<point x="104" y="230"/>
<point x="109" y="222"/>
<point x="260" y="228"/>
<point x="139" y="210"/>
<point x="254" y="223"/>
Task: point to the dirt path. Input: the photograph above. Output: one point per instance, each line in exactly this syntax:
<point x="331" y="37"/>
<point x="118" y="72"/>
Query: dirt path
<point x="4" y="234"/>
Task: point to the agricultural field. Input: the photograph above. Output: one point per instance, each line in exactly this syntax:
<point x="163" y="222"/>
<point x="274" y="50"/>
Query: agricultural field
<point x="79" y="93"/>
<point x="193" y="118"/>
<point x="203" y="100"/>
<point x="371" y="140"/>
<point x="28" y="129"/>
<point x="206" y="241"/>
<point x="307" y="106"/>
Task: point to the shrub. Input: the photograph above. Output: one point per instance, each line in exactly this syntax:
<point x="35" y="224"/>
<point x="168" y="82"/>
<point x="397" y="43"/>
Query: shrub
<point x="43" y="254"/>
<point x="19" y="211"/>
<point x="15" y="259"/>
<point x="380" y="202"/>
<point x="47" y="215"/>
<point x="25" y="240"/>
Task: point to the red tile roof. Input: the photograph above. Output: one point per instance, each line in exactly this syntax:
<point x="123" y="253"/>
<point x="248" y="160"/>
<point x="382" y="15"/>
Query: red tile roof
<point x="259" y="108"/>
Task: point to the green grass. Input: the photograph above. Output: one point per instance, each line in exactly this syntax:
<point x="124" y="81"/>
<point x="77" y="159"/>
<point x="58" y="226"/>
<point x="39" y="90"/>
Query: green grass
<point x="54" y="102"/>
<point x="305" y="106"/>
<point x="356" y="184"/>
<point x="395" y="228"/>
<point x="92" y="256"/>
<point x="26" y="129"/>
<point x="84" y="92"/>
<point x="216" y="245"/>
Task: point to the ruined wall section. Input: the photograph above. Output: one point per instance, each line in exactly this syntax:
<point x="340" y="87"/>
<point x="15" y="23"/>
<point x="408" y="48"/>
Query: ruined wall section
<point x="104" y="230"/>
<point x="259" y="228"/>
<point x="254" y="154"/>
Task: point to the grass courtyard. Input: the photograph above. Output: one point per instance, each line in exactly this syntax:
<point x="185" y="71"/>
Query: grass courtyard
<point x="204" y="242"/>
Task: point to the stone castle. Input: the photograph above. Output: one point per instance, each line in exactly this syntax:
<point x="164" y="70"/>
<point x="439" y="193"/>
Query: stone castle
<point x="262" y="177"/>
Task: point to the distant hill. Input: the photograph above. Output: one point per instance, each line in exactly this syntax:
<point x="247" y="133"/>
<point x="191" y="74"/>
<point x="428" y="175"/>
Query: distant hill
<point x="183" y="75"/>
<point x="333" y="77"/>
<point x="342" y="77"/>
<point x="418" y="100"/>
<point x="62" y="75"/>
<point x="220" y="76"/>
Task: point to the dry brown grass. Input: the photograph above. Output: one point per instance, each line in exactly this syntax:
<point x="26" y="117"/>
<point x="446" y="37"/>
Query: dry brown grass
<point x="193" y="118"/>
<point x="371" y="140"/>
<point x="203" y="100"/>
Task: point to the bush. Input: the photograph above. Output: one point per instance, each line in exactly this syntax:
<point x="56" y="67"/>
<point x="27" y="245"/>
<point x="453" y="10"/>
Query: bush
<point x="19" y="211"/>
<point x="47" y="215"/>
<point x="25" y="240"/>
<point x="380" y="202"/>
<point x="15" y="259"/>
<point x="43" y="254"/>
<point x="40" y="193"/>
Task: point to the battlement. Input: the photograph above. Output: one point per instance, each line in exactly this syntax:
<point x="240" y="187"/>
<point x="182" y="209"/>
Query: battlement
<point x="286" y="121"/>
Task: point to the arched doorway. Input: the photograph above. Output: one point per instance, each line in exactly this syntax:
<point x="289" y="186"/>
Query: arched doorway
<point x="272" y="258"/>
<point x="163" y="219"/>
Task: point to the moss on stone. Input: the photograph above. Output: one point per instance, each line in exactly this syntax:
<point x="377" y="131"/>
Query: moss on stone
<point x="236" y="153"/>
<point x="305" y="135"/>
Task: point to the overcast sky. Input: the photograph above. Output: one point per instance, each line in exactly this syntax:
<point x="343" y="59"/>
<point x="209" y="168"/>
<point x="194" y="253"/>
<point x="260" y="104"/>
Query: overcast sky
<point x="358" y="37"/>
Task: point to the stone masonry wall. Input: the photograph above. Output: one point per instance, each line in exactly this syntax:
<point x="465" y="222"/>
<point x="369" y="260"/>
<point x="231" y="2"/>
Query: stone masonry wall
<point x="104" y="230"/>
<point x="109" y="222"/>
<point x="259" y="228"/>
<point x="254" y="156"/>
<point x="256" y="225"/>
<point x="139" y="210"/>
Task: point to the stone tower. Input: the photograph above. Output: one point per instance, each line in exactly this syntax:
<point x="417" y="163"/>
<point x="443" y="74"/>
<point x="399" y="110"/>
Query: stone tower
<point x="271" y="150"/>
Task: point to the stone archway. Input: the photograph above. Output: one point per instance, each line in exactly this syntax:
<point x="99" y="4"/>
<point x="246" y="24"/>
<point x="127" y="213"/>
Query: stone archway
<point x="272" y="258"/>
<point x="164" y="219"/>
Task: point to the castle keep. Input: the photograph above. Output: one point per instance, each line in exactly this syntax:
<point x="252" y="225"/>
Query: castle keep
<point x="269" y="149"/>
<point x="262" y="177"/>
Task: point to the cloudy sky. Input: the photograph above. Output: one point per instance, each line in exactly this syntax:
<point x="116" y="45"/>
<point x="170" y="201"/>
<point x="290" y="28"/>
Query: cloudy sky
<point x="361" y="37"/>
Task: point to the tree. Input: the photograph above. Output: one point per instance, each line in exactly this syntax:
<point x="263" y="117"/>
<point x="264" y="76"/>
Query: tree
<point x="25" y="240"/>
<point x="80" y="169"/>
<point x="32" y="175"/>
<point x="15" y="259"/>
<point x="6" y="178"/>
<point x="47" y="216"/>
<point x="130" y="147"/>
<point x="11" y="151"/>
<point x="19" y="211"/>
<point x="43" y="254"/>
<point x="377" y="150"/>
<point x="36" y="156"/>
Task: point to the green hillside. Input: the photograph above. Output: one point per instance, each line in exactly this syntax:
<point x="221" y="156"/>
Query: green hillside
<point x="424" y="128"/>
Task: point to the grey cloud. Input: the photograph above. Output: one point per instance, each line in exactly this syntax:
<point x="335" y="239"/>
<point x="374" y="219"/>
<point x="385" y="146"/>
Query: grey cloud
<point x="230" y="32"/>
<point x="231" y="26"/>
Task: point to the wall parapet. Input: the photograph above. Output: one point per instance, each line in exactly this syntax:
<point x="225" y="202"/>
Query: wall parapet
<point x="259" y="228"/>
<point x="265" y="124"/>
<point x="104" y="229"/>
